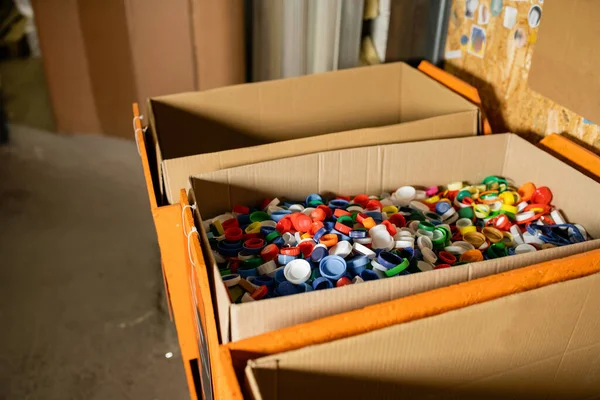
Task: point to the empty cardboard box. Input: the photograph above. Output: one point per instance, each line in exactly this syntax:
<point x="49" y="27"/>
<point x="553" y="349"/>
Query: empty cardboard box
<point x="185" y="126"/>
<point x="542" y="343"/>
<point x="374" y="170"/>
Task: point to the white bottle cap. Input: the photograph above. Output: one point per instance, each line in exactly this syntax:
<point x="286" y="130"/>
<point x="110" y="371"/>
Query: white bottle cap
<point x="297" y="271"/>
<point x="524" y="248"/>
<point x="342" y="249"/>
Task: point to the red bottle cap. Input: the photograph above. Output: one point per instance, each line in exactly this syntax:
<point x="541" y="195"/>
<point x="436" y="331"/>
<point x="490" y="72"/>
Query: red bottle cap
<point x="233" y="234"/>
<point x="542" y="195"/>
<point x="284" y="225"/>
<point x="398" y="220"/>
<point x="301" y="222"/>
<point x="290" y="251"/>
<point x="361" y="199"/>
<point x="328" y="212"/>
<point x="374" y="204"/>
<point x="260" y="292"/>
<point x="343" y="281"/>
<point x="306" y="248"/>
<point x="390" y="228"/>
<point x="270" y="252"/>
<point x="318" y="214"/>
<point x="315" y="226"/>
<point x="241" y="209"/>
<point x="345" y="229"/>
<point x="339" y="213"/>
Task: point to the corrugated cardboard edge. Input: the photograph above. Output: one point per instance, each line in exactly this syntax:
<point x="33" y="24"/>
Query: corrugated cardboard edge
<point x="176" y="172"/>
<point x="484" y="324"/>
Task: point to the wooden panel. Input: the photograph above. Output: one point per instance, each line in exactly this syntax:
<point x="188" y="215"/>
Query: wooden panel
<point x="501" y="73"/>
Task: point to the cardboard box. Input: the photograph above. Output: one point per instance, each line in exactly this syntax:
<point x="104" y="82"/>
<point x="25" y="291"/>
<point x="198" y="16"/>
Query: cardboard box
<point x="563" y="66"/>
<point x="543" y="343"/>
<point x="188" y="125"/>
<point x="374" y="170"/>
<point x="100" y="55"/>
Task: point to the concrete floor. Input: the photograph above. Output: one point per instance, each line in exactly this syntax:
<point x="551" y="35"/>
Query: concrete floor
<point x="83" y="311"/>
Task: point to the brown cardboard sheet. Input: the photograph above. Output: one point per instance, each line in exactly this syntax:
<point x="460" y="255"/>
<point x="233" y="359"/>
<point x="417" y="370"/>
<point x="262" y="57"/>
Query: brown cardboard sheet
<point x="544" y="343"/>
<point x="176" y="172"/>
<point x="374" y="170"/>
<point x="233" y="117"/>
<point x="565" y="60"/>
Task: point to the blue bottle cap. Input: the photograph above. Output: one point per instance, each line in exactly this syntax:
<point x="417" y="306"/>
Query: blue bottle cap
<point x="243" y="219"/>
<point x="313" y="198"/>
<point x="245" y="273"/>
<point x="264" y="280"/>
<point x="358" y="234"/>
<point x="407" y="252"/>
<point x="265" y="230"/>
<point x="369" y="275"/>
<point x="322" y="283"/>
<point x="278" y="241"/>
<point x="338" y="203"/>
<point x="304" y="287"/>
<point x="442" y="207"/>
<point x="328" y="225"/>
<point x="341" y="236"/>
<point x="279" y="276"/>
<point x="279" y="214"/>
<point x="229" y="249"/>
<point x="318" y="253"/>
<point x="283" y="259"/>
<point x="376" y="216"/>
<point x="357" y="264"/>
<point x="319" y="234"/>
<point x="286" y="288"/>
<point x="332" y="267"/>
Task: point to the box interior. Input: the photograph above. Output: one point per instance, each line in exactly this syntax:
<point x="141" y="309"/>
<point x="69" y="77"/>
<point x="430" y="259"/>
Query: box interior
<point x="374" y="170"/>
<point x="544" y="343"/>
<point x="176" y="171"/>
<point x="258" y="113"/>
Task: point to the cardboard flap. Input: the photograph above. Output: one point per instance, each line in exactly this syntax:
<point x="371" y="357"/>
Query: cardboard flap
<point x="544" y="343"/>
<point x="351" y="171"/>
<point x="565" y="60"/>
<point x="244" y="115"/>
<point x="178" y="170"/>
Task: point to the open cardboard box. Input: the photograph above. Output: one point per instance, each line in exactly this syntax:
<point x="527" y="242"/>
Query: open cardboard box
<point x="185" y="127"/>
<point x="374" y="170"/>
<point x="542" y="343"/>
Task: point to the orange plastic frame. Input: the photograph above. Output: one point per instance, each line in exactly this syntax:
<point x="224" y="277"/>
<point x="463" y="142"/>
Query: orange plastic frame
<point x="458" y="86"/>
<point x="178" y="269"/>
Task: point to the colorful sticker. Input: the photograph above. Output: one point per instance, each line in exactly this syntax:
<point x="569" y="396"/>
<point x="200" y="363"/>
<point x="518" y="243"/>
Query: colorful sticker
<point x="534" y="16"/>
<point x="588" y="122"/>
<point x="464" y="39"/>
<point x="470" y="8"/>
<point x="510" y="17"/>
<point x="484" y="15"/>
<point x="520" y="38"/>
<point x="477" y="43"/>
<point x="496" y="7"/>
<point x="452" y="54"/>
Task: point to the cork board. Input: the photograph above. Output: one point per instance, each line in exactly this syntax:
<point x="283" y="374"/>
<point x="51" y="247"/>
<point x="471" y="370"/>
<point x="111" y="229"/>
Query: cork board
<point x="490" y="45"/>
